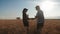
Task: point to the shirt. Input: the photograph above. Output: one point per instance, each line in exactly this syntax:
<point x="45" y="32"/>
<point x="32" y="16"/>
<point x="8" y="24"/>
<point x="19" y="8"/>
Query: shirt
<point x="40" y="17"/>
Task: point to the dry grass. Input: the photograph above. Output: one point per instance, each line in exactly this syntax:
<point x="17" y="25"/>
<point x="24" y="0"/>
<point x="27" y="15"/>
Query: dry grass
<point x="16" y="27"/>
<point x="51" y="27"/>
<point x="11" y="27"/>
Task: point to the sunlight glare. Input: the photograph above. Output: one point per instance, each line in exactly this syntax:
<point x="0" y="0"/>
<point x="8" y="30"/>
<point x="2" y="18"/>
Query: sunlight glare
<point x="46" y="5"/>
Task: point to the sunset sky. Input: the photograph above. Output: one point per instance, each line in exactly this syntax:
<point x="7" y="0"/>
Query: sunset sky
<point x="10" y="9"/>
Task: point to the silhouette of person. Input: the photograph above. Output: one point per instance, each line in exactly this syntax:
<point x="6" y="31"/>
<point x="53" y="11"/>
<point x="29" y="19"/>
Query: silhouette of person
<point x="40" y="19"/>
<point x="25" y="19"/>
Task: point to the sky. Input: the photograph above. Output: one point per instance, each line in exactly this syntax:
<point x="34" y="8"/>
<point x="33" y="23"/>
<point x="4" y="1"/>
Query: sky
<point x="10" y="9"/>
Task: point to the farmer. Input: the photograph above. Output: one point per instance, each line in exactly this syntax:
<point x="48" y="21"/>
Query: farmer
<point x="40" y="19"/>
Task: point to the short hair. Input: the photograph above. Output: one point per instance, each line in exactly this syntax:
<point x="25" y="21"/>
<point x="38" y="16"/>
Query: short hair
<point x="37" y="6"/>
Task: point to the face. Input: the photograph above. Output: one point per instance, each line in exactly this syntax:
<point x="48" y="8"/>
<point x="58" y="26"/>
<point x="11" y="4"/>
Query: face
<point x="37" y="8"/>
<point x="25" y="11"/>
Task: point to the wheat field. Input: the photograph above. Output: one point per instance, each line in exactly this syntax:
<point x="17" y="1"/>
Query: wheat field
<point x="16" y="26"/>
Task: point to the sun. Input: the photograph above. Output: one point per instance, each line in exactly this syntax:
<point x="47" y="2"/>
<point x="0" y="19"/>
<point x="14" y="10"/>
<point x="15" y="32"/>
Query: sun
<point x="46" y="5"/>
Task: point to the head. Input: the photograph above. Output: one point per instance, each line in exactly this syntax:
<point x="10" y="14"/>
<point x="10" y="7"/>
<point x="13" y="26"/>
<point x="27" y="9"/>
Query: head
<point x="37" y="8"/>
<point x="25" y="10"/>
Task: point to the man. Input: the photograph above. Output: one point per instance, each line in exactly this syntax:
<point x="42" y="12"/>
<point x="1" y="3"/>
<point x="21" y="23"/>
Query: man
<point x="40" y="19"/>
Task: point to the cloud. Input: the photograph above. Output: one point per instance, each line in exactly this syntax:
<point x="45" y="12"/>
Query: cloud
<point x="58" y="1"/>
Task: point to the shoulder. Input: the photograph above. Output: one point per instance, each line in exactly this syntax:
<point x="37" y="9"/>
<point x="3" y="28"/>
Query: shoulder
<point x="41" y="11"/>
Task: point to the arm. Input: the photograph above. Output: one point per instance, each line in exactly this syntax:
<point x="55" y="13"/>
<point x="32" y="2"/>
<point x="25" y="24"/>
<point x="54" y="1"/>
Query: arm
<point x="27" y="17"/>
<point x="37" y="16"/>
